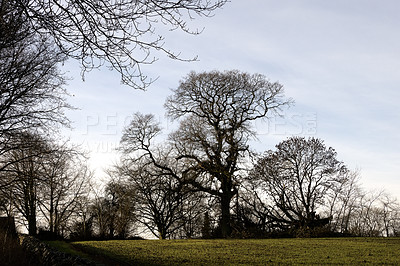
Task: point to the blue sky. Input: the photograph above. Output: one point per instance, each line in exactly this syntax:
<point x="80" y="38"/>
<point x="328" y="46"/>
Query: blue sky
<point x="339" y="61"/>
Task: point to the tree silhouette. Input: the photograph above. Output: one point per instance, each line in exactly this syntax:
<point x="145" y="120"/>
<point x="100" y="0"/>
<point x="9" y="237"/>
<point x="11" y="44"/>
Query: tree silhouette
<point x="215" y="111"/>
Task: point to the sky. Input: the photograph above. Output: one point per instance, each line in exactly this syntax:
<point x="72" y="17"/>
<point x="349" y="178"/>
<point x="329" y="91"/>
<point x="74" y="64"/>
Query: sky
<point x="338" y="60"/>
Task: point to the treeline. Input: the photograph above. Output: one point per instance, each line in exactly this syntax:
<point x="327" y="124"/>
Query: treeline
<point x="304" y="193"/>
<point x="202" y="181"/>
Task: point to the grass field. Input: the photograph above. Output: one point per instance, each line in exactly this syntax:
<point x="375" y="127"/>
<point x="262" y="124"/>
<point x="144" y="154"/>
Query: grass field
<point x="67" y="248"/>
<point x="250" y="252"/>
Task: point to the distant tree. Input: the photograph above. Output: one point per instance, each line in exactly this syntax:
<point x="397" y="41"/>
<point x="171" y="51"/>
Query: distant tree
<point x="342" y="202"/>
<point x="158" y="198"/>
<point x="296" y="179"/>
<point x="206" y="229"/>
<point x="390" y="212"/>
<point x="366" y="219"/>
<point x="25" y="177"/>
<point x="358" y="212"/>
<point x="65" y="178"/>
<point x="82" y="228"/>
<point x="43" y="182"/>
<point x="375" y="213"/>
<point x="120" y="212"/>
<point x="216" y="111"/>
<point x="192" y="209"/>
<point x="99" y="210"/>
<point x="124" y="34"/>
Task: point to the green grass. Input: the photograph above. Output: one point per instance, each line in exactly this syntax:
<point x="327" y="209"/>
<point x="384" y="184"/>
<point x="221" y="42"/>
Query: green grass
<point x="250" y="252"/>
<point x="66" y="248"/>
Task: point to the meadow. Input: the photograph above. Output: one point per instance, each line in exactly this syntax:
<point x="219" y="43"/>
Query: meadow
<point x="247" y="252"/>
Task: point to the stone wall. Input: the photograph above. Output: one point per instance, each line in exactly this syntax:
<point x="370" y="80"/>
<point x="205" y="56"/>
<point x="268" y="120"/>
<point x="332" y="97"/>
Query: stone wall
<point x="46" y="255"/>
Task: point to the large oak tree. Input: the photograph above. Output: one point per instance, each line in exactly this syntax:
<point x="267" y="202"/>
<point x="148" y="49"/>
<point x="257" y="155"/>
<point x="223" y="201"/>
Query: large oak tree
<point x="215" y="111"/>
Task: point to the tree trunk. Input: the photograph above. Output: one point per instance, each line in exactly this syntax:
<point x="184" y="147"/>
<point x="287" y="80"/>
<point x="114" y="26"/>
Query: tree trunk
<point x="162" y="233"/>
<point x="226" y="216"/>
<point x="162" y="230"/>
<point x="31" y="199"/>
<point x="51" y="210"/>
<point x="51" y="216"/>
<point x="32" y="225"/>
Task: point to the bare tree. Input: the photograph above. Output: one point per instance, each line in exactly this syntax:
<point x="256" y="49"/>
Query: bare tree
<point x="31" y="93"/>
<point x="13" y="28"/>
<point x="365" y="220"/>
<point x="44" y="182"/>
<point x="376" y="213"/>
<point x="390" y="210"/>
<point x="120" y="206"/>
<point x="355" y="211"/>
<point x="216" y="111"/>
<point x="99" y="211"/>
<point x="192" y="210"/>
<point x="26" y="177"/>
<point x="81" y="228"/>
<point x="296" y="179"/>
<point x="124" y="35"/>
<point x="342" y="202"/>
<point x="158" y="197"/>
<point x="65" y="179"/>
